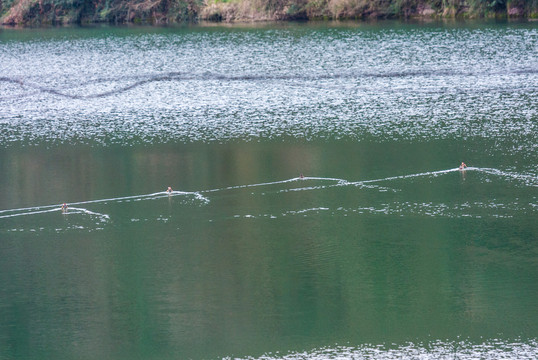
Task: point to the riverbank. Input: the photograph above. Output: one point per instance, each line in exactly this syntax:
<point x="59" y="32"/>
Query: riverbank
<point x="42" y="12"/>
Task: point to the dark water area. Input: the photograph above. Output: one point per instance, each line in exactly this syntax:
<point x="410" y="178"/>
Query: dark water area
<point x="382" y="249"/>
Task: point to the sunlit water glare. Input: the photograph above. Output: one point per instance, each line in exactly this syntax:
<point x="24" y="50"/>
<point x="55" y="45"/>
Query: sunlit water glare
<point x="345" y="83"/>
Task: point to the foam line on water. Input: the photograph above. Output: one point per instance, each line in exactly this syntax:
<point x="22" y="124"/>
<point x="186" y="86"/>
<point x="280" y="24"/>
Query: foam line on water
<point x="322" y="178"/>
<point x="428" y="173"/>
<point x="86" y="211"/>
<point x="339" y="182"/>
<point x="250" y="185"/>
<point x="31" y="208"/>
<point x="133" y="197"/>
<point x="342" y="182"/>
<point x="84" y="202"/>
<point x="271" y="183"/>
<point x="31" y="212"/>
<point x="57" y="207"/>
<point x="320" y="187"/>
<point x="528" y="179"/>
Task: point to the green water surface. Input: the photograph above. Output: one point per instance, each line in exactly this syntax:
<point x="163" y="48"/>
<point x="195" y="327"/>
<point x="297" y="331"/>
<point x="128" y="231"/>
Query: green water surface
<point x="384" y="244"/>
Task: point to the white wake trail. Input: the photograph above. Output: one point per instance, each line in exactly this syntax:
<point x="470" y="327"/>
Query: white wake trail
<point x="428" y="173"/>
<point x="34" y="210"/>
<point x="30" y="212"/>
<point x="530" y="180"/>
<point x="103" y="217"/>
<point x="272" y="183"/>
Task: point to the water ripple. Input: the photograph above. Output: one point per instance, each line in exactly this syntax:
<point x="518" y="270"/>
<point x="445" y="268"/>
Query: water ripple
<point x="491" y="349"/>
<point x="340" y="84"/>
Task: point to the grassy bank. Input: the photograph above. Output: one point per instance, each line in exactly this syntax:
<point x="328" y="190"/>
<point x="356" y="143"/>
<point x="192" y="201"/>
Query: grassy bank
<point x="35" y="12"/>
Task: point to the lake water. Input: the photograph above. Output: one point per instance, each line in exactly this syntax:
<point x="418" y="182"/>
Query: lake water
<point x="384" y="249"/>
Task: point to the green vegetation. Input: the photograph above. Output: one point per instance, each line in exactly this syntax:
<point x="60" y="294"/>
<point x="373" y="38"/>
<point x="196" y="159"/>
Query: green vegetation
<point x="35" y="12"/>
<point x="31" y="12"/>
